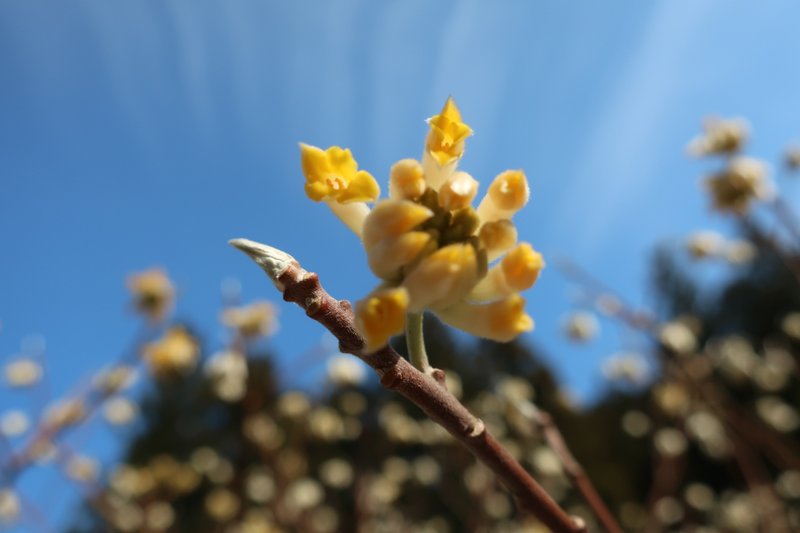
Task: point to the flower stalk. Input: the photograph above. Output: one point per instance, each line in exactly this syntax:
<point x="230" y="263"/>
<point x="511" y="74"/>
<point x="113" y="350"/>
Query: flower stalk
<point x="415" y="341"/>
<point x="397" y="374"/>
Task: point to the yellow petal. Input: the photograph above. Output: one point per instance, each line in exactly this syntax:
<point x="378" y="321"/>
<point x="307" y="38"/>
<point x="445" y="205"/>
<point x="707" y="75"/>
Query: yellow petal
<point x="333" y="174"/>
<point x="442" y="278"/>
<point x="406" y="180"/>
<point x="391" y="218"/>
<point x="517" y="272"/>
<point x="500" y="321"/>
<point x="314" y="162"/>
<point x="447" y="132"/>
<point x="363" y="188"/>
<point x="342" y="162"/>
<point x="381" y="315"/>
<point x="497" y="237"/>
<point x="458" y="191"/>
<point x="507" y="194"/>
<point x="522" y="266"/>
<point x="388" y="256"/>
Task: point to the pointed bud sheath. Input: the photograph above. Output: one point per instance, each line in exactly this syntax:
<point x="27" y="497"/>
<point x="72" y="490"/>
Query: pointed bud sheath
<point x="381" y="315"/>
<point x="389" y="256"/>
<point x="500" y="321"/>
<point x="444" y="144"/>
<point x="406" y="180"/>
<point x="518" y="271"/>
<point x="458" y="191"/>
<point x="392" y="218"/>
<point x="497" y="237"/>
<point x="507" y="194"/>
<point x="442" y="278"/>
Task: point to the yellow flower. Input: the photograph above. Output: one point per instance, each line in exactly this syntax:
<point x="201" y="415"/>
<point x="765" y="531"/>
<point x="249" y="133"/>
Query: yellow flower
<point x="445" y="140"/>
<point x="737" y="186"/>
<point x="175" y="353"/>
<point x="334" y="174"/>
<point x="432" y="249"/>
<point x="254" y="320"/>
<point x="153" y="293"/>
<point x="720" y="137"/>
<point x="381" y="315"/>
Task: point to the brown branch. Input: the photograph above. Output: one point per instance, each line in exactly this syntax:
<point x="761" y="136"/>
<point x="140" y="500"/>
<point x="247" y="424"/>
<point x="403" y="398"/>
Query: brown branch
<point x="573" y="469"/>
<point x="397" y="374"/>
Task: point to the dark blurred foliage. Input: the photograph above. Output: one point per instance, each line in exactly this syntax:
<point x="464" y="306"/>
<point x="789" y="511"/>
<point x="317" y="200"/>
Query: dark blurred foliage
<point x="711" y="442"/>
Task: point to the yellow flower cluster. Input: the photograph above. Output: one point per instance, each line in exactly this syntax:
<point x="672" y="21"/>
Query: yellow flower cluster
<point x="153" y="293"/>
<point x="251" y="321"/>
<point x="430" y="247"/>
<point x="743" y="180"/>
<point x="174" y="354"/>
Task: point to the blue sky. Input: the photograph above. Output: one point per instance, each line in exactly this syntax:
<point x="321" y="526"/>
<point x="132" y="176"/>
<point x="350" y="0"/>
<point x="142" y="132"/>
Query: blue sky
<point x="149" y="133"/>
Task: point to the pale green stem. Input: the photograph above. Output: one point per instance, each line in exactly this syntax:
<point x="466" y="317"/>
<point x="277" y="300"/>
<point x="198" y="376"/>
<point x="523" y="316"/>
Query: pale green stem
<point x="415" y="342"/>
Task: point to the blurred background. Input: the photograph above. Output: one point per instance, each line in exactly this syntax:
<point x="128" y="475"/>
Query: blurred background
<point x="146" y="134"/>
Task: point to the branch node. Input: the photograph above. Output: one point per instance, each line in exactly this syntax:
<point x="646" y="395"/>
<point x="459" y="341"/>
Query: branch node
<point x="477" y="428"/>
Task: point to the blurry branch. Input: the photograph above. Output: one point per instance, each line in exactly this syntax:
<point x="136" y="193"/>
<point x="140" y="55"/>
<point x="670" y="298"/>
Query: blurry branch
<point x="574" y="470"/>
<point x="397" y="374"/>
<point x="746" y="435"/>
<point x="79" y="409"/>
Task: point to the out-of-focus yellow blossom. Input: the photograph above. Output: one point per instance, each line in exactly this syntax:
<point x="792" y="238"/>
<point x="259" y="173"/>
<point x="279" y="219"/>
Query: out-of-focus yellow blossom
<point x="120" y="411"/>
<point x="704" y="244"/>
<point x="83" y="468"/>
<point x="792" y="157"/>
<point x="222" y="504"/>
<point x="734" y="188"/>
<point x="720" y="137"/>
<point x="581" y="326"/>
<point x="153" y="293"/>
<point x="10" y="507"/>
<point x="431" y="248"/>
<point x="23" y="372"/>
<point x="14" y="423"/>
<point x="175" y="353"/>
<point x="740" y="251"/>
<point x="255" y="320"/>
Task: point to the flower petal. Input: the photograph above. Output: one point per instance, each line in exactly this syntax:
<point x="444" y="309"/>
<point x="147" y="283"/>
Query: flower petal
<point x="517" y="272"/>
<point x="406" y="180"/>
<point x="500" y="321"/>
<point x="442" y="278"/>
<point x="381" y="315"/>
<point x="391" y="218"/>
<point x="507" y="194"/>
<point x="388" y="256"/>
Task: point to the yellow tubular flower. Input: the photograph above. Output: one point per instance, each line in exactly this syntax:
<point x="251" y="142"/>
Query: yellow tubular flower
<point x="388" y="256"/>
<point x="381" y="315"/>
<point x="444" y="145"/>
<point x="406" y="180"/>
<point x="392" y="218"/>
<point x="445" y="140"/>
<point x="518" y="271"/>
<point x="497" y="237"/>
<point x="508" y="193"/>
<point x="333" y="174"/>
<point x="499" y="321"/>
<point x="458" y="191"/>
<point x="443" y="278"/>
